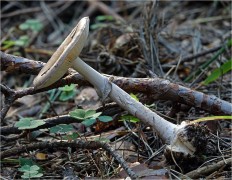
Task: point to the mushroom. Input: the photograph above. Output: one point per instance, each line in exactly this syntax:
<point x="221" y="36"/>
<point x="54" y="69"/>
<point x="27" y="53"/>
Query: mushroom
<point x="66" y="56"/>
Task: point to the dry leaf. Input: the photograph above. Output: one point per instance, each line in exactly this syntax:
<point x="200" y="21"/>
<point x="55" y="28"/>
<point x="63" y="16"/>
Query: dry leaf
<point x="41" y="156"/>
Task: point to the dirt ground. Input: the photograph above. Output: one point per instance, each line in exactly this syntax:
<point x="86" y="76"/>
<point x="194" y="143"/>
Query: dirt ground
<point x="152" y="50"/>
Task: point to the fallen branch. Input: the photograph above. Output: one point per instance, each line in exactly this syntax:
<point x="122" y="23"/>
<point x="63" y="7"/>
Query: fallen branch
<point x="158" y="89"/>
<point x="206" y="170"/>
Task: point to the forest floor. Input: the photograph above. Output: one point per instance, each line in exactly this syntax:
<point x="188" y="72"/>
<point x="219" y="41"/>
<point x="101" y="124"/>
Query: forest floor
<point x="186" y="43"/>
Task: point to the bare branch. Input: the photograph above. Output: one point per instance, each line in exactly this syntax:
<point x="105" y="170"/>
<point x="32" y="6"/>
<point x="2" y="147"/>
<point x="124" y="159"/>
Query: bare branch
<point x="156" y="88"/>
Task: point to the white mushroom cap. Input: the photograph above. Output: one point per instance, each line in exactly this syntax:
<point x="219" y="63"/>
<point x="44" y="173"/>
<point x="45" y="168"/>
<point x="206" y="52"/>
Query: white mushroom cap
<point x="64" y="56"/>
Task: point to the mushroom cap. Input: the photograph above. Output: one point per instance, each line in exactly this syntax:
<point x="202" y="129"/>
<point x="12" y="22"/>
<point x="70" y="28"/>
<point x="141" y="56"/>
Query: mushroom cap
<point x="64" y="56"/>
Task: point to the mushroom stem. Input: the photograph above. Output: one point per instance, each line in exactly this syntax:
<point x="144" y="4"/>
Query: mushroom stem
<point x="183" y="138"/>
<point x="164" y="128"/>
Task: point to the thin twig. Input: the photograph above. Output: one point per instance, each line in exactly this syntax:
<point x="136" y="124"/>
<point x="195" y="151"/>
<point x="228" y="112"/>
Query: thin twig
<point x="10" y="97"/>
<point x="13" y="138"/>
<point x="203" y="53"/>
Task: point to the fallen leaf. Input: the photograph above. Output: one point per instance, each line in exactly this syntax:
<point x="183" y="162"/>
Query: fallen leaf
<point x="144" y="172"/>
<point x="127" y="150"/>
<point x="41" y="156"/>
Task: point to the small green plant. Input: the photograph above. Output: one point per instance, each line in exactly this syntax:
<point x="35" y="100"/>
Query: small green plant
<point x="104" y="18"/>
<point x="30" y="171"/>
<point x="61" y="128"/>
<point x="28" y="123"/>
<point x="134" y="96"/>
<point x="26" y="161"/>
<point x="205" y="65"/>
<point x="88" y="117"/>
<point x="130" y="118"/>
<point x="100" y="21"/>
<point x="29" y="168"/>
<point x="21" y="42"/>
<point x="32" y="24"/>
<point x="226" y="67"/>
<point x="68" y="92"/>
<point x="7" y="44"/>
<point x="66" y="129"/>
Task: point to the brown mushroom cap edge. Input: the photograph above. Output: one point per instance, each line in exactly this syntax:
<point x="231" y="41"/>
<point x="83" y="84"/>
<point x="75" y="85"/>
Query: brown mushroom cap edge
<point x="64" y="56"/>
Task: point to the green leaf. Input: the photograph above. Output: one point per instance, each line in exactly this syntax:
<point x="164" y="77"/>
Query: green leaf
<point x="70" y="87"/>
<point x="34" y="168"/>
<point x="30" y="171"/>
<point x="27" y="168"/>
<point x="105" y="118"/>
<point x="205" y="65"/>
<point x="89" y="113"/>
<point x="89" y="122"/>
<point x="97" y="26"/>
<point x="78" y="114"/>
<point x="68" y="92"/>
<point x="227" y="66"/>
<point x="61" y="128"/>
<point x="72" y="136"/>
<point x="134" y="96"/>
<point x="96" y="115"/>
<point x="36" y="175"/>
<point x="8" y="44"/>
<point x="28" y="123"/>
<point x="32" y="21"/>
<point x="31" y="175"/>
<point x="24" y="168"/>
<point x="24" y="26"/>
<point x="22" y="41"/>
<point x="67" y="95"/>
<point x="84" y="114"/>
<point x="130" y="118"/>
<point x="26" y="161"/>
<point x="26" y="176"/>
<point x="36" y="27"/>
<point x="104" y="18"/>
<point x="33" y="24"/>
